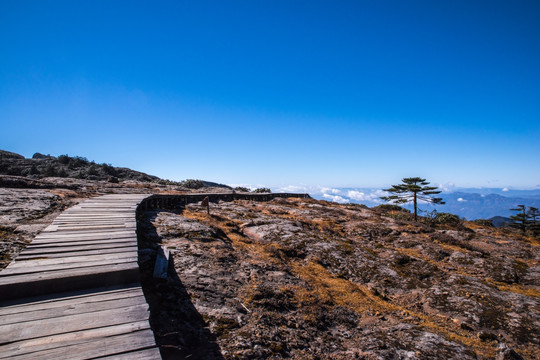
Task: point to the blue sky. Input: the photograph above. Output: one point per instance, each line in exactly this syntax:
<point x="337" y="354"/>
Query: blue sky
<point x="333" y="93"/>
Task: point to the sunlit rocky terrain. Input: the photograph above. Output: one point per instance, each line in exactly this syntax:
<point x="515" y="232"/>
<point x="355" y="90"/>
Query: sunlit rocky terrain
<point x="307" y="279"/>
<point x="300" y="278"/>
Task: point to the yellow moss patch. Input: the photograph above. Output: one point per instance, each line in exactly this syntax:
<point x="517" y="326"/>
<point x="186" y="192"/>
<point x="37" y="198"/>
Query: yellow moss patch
<point x="326" y="287"/>
<point x="515" y="288"/>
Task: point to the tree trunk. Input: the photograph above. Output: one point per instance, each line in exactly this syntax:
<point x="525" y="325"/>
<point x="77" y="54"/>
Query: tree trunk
<point x="415" y="213"/>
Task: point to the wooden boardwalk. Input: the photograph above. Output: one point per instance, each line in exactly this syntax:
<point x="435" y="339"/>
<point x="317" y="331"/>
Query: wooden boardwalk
<point x="73" y="293"/>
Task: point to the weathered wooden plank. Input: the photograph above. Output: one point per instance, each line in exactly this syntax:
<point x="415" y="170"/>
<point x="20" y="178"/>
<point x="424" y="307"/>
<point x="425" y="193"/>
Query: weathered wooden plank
<point x="89" y="227"/>
<point x="64" y="234"/>
<point x="68" y="241"/>
<point x="82" y="229"/>
<point x="13" y="271"/>
<point x="106" y="346"/>
<point x="73" y="309"/>
<point x="65" y="324"/>
<point x="63" y="280"/>
<point x="88" y="216"/>
<point x="103" y="221"/>
<point x="72" y="248"/>
<point x="34" y="346"/>
<point x="66" y="260"/>
<point x="74" y="245"/>
<point x="113" y="235"/>
<point x="148" y="354"/>
<point x="22" y="256"/>
<point x="73" y="298"/>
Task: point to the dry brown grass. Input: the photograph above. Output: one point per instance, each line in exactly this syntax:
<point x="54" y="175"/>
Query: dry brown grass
<point x="326" y="287"/>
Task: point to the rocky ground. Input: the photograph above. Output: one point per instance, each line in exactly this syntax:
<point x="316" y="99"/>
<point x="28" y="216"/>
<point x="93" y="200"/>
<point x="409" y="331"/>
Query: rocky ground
<point x="305" y="279"/>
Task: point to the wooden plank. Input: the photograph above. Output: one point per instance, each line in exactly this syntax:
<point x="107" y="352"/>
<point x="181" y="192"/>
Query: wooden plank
<point x="72" y="309"/>
<point x="67" y="245"/>
<point x="65" y="324"/>
<point x="64" y="234"/>
<point x="106" y="346"/>
<point x="90" y="236"/>
<point x="64" y="224"/>
<point x="22" y="256"/>
<point x="80" y="240"/>
<point x="77" y="231"/>
<point x="63" y="280"/>
<point x="66" y="260"/>
<point x="101" y="216"/>
<point x="51" y="275"/>
<point x="89" y="227"/>
<point x="86" y="220"/>
<point x="64" y="266"/>
<point x="72" y="248"/>
<point x="73" y="298"/>
<point x="148" y="354"/>
<point x="34" y="346"/>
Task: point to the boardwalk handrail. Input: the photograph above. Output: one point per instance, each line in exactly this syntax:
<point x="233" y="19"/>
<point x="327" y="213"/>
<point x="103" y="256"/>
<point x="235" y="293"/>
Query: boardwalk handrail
<point x="166" y="201"/>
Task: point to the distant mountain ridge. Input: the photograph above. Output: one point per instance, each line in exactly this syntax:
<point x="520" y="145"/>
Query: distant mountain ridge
<point x="470" y="203"/>
<point x="484" y="206"/>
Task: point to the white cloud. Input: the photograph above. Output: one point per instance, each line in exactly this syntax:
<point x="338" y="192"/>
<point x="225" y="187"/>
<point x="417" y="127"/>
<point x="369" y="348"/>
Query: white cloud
<point x="336" y="198"/>
<point x="249" y="186"/>
<point x="330" y="190"/>
<point x="447" y="187"/>
<point x="357" y="195"/>
<point x="505" y="189"/>
<point x="461" y="200"/>
<point x="293" y="189"/>
<point x="374" y="196"/>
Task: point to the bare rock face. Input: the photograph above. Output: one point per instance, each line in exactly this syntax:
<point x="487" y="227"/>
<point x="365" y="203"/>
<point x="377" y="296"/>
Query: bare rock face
<point x="297" y="278"/>
<point x="23" y="213"/>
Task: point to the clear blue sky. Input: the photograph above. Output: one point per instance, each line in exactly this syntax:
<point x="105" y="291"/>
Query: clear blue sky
<point x="338" y="93"/>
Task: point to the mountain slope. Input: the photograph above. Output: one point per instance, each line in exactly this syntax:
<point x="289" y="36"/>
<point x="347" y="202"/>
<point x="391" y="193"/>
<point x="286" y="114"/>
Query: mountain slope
<point x="65" y="166"/>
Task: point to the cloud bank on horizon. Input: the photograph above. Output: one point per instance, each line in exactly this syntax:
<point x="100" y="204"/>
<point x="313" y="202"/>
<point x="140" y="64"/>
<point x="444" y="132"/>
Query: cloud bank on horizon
<point x="470" y="203"/>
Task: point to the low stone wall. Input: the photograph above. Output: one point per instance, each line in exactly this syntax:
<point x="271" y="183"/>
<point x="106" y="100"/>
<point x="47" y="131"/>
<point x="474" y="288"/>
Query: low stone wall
<point x="180" y="201"/>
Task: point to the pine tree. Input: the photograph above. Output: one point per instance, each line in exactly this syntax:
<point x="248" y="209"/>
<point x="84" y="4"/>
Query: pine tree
<point x="413" y="189"/>
<point x="521" y="219"/>
<point x="534" y="226"/>
<point x="533" y="214"/>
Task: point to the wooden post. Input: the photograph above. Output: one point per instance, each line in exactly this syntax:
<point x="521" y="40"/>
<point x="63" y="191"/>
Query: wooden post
<point x="162" y="263"/>
<point x="206" y="202"/>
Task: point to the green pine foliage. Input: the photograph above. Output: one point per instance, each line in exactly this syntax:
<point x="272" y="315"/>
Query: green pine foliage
<point x="412" y="190"/>
<point x="526" y="219"/>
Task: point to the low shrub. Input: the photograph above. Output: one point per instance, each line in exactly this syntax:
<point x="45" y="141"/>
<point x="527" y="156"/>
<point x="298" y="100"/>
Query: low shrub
<point x="169" y="182"/>
<point x="483" y="222"/>
<point x="435" y="218"/>
<point x="241" y="189"/>
<point x="390" y="207"/>
<point x="192" y="184"/>
<point x="447" y="219"/>
<point x="262" y="190"/>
